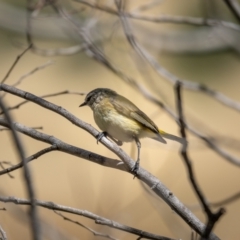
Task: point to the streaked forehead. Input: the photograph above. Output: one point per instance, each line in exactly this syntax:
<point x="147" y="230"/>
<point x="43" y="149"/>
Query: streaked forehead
<point x="98" y="90"/>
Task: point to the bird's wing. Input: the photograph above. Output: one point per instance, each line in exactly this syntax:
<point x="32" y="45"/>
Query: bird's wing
<point x="127" y="108"/>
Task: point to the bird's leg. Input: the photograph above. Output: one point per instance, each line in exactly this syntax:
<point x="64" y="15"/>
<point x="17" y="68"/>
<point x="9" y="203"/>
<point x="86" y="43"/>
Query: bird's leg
<point x="105" y="134"/>
<point x="100" y="135"/>
<point x="136" y="165"/>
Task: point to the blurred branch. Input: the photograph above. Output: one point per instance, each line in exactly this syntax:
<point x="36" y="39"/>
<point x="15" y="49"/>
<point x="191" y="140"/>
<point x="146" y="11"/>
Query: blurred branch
<point x="95" y="233"/>
<point x="3" y="233"/>
<point x="27" y="175"/>
<point x="143" y="53"/>
<point x="98" y="219"/>
<point x="7" y="163"/>
<point x="30" y="73"/>
<point x="15" y="63"/>
<point x="143" y="175"/>
<point x="95" y="53"/>
<point x="7" y="129"/>
<point x="234" y="8"/>
<point x="147" y="6"/>
<point x="48" y="63"/>
<point x="212" y="217"/>
<point x="29" y="159"/>
<point x="226" y="201"/>
<point x="165" y="18"/>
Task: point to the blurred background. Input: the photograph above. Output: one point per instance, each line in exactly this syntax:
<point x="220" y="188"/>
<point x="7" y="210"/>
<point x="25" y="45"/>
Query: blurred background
<point x="203" y="54"/>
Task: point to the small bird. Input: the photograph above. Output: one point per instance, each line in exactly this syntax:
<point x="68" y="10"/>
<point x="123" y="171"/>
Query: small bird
<point x="122" y="121"/>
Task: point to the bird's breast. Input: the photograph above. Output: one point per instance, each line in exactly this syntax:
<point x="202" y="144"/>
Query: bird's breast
<point x="114" y="123"/>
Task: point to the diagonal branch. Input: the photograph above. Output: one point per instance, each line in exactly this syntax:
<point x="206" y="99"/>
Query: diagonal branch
<point x="59" y="145"/>
<point x="15" y="63"/>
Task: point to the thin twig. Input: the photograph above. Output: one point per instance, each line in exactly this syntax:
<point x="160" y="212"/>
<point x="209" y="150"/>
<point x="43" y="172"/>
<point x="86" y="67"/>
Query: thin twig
<point x="212" y="217"/>
<point x="147" y="6"/>
<point x="3" y="233"/>
<point x="48" y="63"/>
<point x="7" y="129"/>
<point x="2" y="166"/>
<point x="87" y="214"/>
<point x="15" y="63"/>
<point x="95" y="233"/>
<point x="29" y="159"/>
<point x="224" y="202"/>
<point x="195" y="21"/>
<point x="27" y="175"/>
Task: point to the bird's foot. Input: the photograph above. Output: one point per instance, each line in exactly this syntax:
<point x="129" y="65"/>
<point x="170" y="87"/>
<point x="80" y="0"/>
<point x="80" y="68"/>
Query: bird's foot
<point x="100" y="135"/>
<point x="135" y="169"/>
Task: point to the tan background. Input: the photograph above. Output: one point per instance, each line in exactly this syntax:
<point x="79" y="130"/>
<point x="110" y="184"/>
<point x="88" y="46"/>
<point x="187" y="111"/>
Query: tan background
<point x="75" y="182"/>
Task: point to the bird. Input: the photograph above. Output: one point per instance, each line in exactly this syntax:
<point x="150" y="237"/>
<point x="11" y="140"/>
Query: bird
<point x="122" y="121"/>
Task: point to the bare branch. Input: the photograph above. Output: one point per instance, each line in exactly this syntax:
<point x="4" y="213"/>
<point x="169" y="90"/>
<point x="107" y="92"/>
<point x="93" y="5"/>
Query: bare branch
<point x="166" y="18"/>
<point x="95" y="233"/>
<point x="169" y="76"/>
<point x="226" y="201"/>
<point x="147" y="6"/>
<point x="46" y="96"/>
<point x="99" y="56"/>
<point x="212" y="217"/>
<point x="98" y="219"/>
<point x="29" y="159"/>
<point x="48" y="63"/>
<point x="3" y="233"/>
<point x="27" y="175"/>
<point x="7" y="129"/>
<point x="7" y="163"/>
<point x="15" y="63"/>
<point x="59" y="145"/>
<point x="234" y="7"/>
<point x="143" y="175"/>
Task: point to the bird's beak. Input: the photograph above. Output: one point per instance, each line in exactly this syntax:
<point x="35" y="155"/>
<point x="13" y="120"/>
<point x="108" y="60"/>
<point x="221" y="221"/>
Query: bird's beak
<point x="83" y="104"/>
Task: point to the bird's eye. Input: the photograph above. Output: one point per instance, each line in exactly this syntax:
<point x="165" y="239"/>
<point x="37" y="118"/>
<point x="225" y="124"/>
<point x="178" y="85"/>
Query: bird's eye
<point x="88" y="98"/>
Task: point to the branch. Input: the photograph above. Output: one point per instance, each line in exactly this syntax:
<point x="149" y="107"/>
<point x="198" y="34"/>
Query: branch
<point x="3" y="233"/>
<point x="234" y="7"/>
<point x="195" y="21"/>
<point x="45" y="96"/>
<point x="95" y="233"/>
<point x="29" y="159"/>
<point x="59" y="145"/>
<point x="212" y="217"/>
<point x="168" y="75"/>
<point x="27" y="175"/>
<point x="99" y="56"/>
<point x="15" y="63"/>
<point x="143" y="175"/>
<point x="98" y="219"/>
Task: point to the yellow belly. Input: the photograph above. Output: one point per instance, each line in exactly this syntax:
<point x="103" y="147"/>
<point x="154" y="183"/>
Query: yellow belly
<point x="115" y="124"/>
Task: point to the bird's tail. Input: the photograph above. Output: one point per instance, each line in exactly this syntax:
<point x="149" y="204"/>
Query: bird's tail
<point x="171" y="137"/>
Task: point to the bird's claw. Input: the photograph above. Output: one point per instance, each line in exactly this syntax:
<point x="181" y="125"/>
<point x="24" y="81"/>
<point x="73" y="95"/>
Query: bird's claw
<point x="135" y="169"/>
<point x="100" y="135"/>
